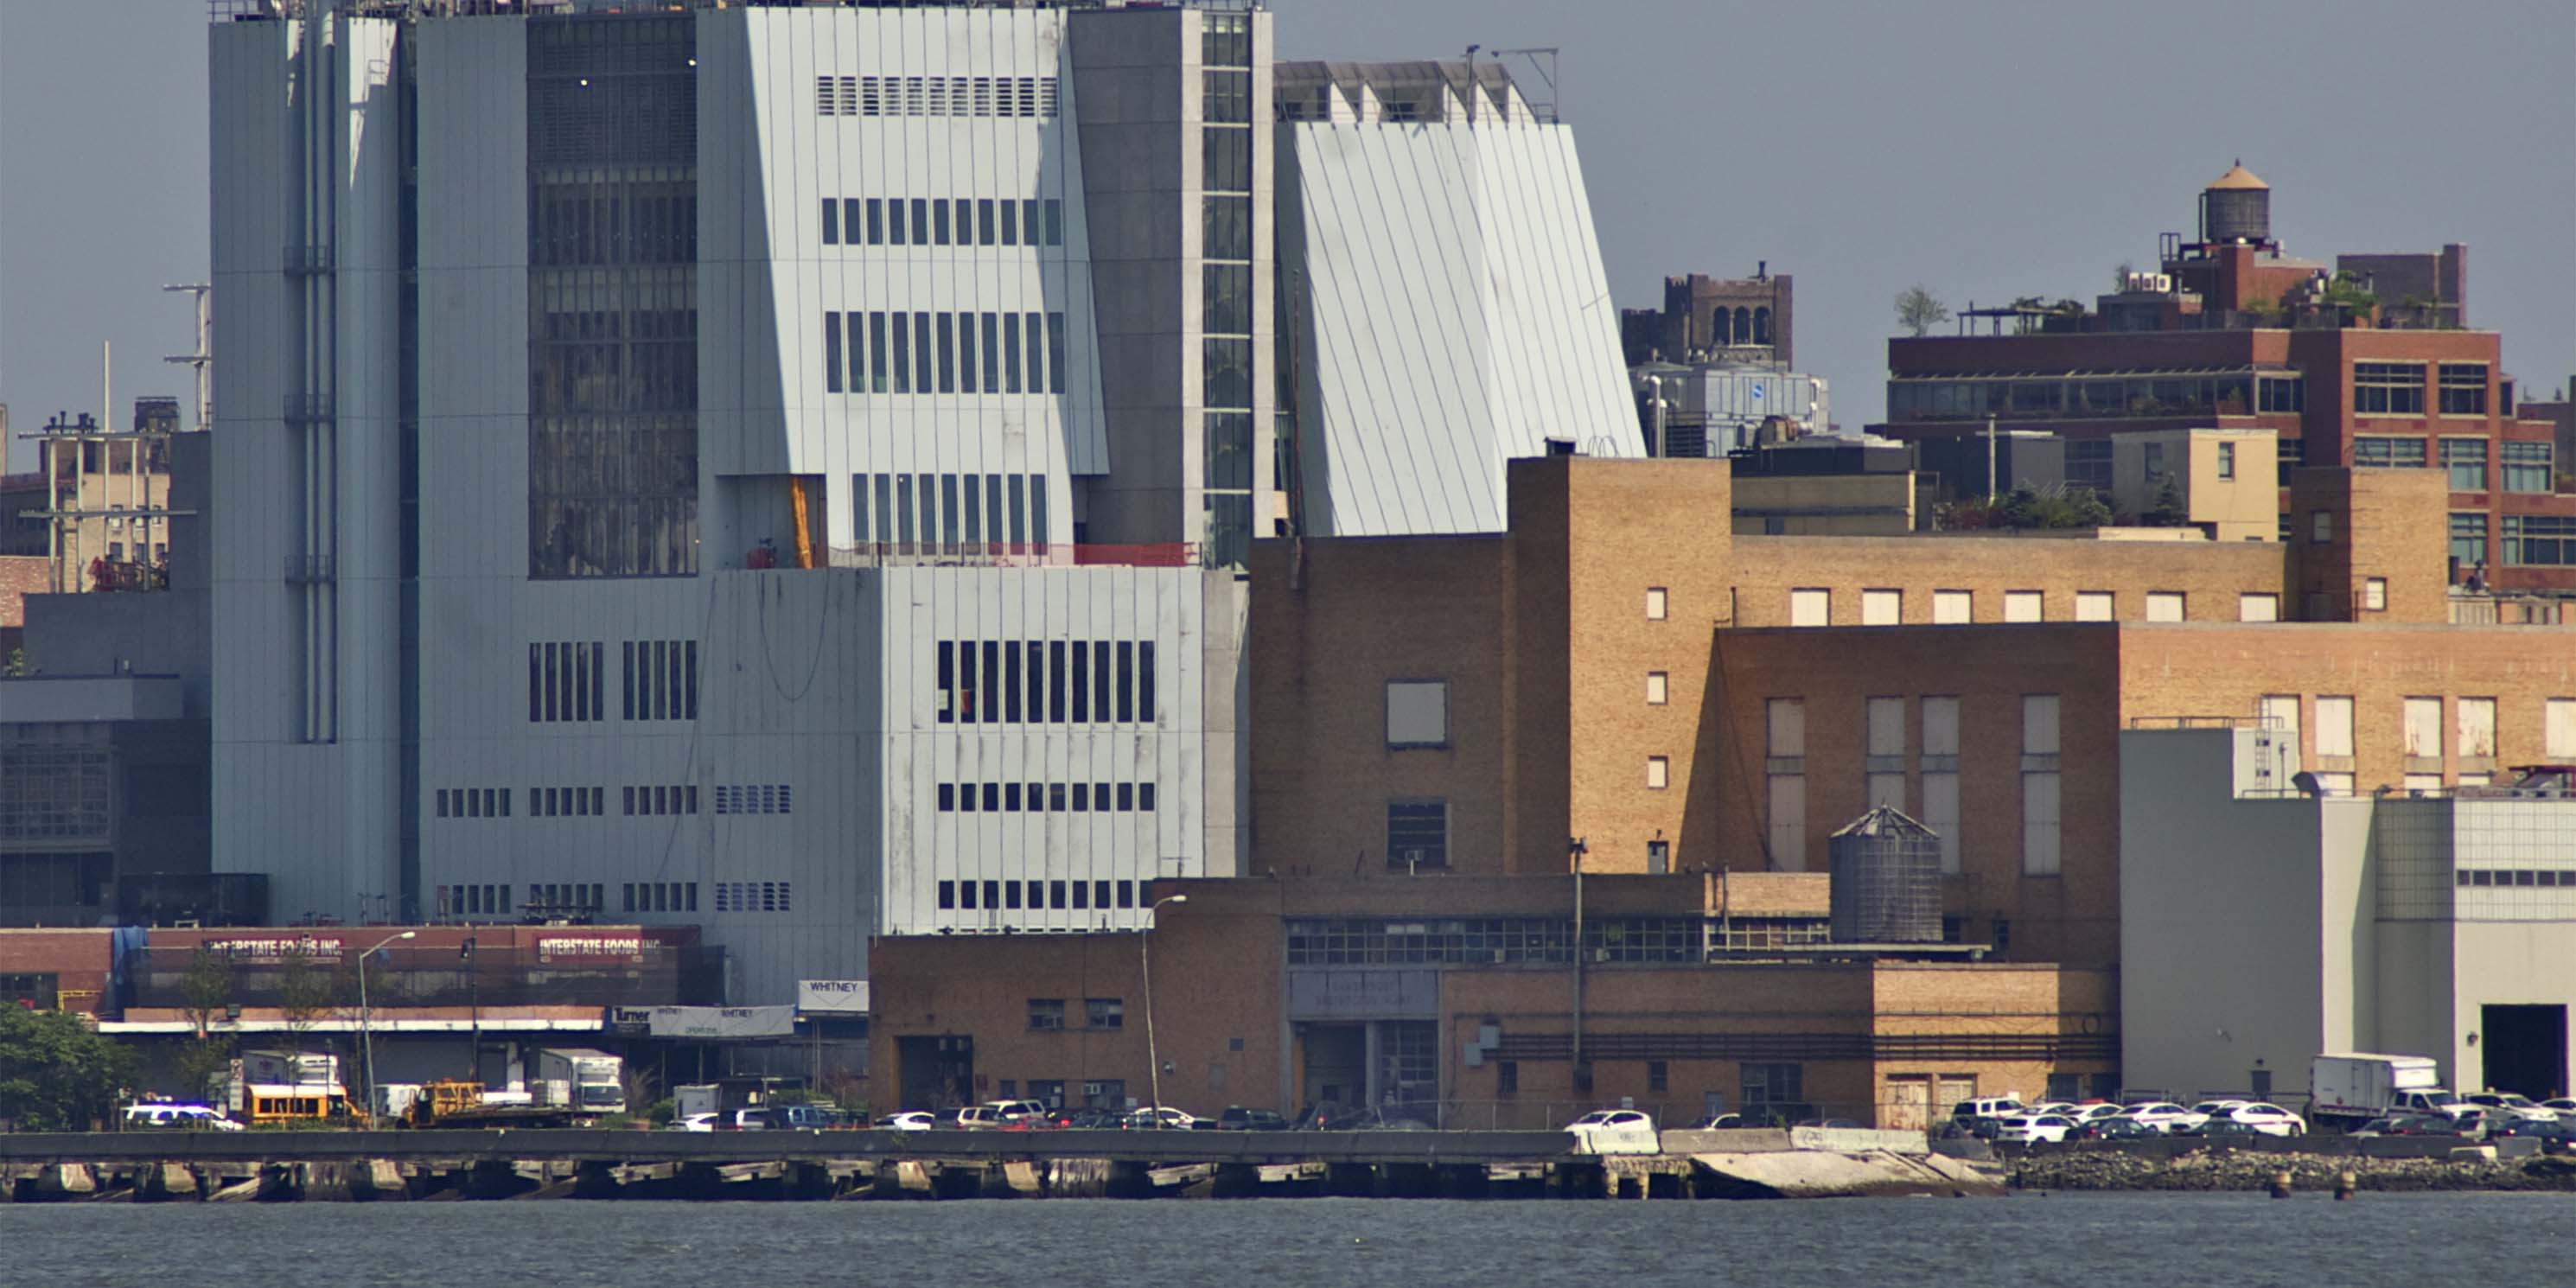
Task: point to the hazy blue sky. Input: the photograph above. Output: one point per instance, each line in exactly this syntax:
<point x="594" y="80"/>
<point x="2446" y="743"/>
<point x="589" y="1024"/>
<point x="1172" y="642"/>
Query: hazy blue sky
<point x="1987" y="149"/>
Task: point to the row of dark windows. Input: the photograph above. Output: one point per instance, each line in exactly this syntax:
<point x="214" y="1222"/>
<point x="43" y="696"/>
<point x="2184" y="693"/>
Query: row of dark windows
<point x="1046" y="682"/>
<point x="1011" y="798"/>
<point x="996" y="509"/>
<point x="661" y="896"/>
<point x="567" y="681"/>
<point x="1041" y="895"/>
<point x="592" y="802"/>
<point x="938" y="353"/>
<point x="943" y="221"/>
<point x="754" y="896"/>
<point x="473" y="802"/>
<point x="989" y="96"/>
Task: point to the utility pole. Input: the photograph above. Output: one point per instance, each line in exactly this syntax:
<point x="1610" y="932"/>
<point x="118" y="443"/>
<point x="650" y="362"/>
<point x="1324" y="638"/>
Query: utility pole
<point x="1990" y="458"/>
<point x="1145" y="969"/>
<point x="1575" y="850"/>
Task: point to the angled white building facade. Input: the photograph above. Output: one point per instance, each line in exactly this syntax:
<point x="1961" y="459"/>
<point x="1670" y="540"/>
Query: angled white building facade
<point x="1446" y="292"/>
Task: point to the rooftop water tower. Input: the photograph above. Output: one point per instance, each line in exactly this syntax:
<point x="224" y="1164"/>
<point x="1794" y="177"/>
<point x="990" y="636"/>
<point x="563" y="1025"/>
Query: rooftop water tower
<point x="1886" y="880"/>
<point x="2236" y="208"/>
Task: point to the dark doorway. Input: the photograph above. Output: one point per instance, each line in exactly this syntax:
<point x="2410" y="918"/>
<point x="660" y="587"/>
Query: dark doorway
<point x="2526" y="1049"/>
<point x="1336" y="1068"/>
<point x="937" y="1072"/>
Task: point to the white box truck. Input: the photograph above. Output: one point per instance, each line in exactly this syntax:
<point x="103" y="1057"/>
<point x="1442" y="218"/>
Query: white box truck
<point x="2349" y="1088"/>
<point x="590" y="1083"/>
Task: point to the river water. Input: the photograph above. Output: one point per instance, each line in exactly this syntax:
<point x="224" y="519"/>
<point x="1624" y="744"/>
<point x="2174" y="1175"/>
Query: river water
<point x="2091" y="1240"/>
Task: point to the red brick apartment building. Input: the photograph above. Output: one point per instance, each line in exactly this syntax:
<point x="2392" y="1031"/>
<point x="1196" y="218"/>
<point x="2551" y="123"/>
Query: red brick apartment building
<point x="2372" y="370"/>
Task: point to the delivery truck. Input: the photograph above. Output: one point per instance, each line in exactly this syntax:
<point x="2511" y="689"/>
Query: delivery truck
<point x="2349" y="1088"/>
<point x="590" y="1083"/>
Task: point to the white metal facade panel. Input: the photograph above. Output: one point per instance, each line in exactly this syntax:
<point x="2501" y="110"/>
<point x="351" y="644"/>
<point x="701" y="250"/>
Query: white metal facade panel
<point x="1458" y="315"/>
<point x="769" y="159"/>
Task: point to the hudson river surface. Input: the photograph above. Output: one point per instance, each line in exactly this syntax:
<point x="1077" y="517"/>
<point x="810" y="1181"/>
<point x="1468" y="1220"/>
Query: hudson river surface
<point x="2092" y="1240"/>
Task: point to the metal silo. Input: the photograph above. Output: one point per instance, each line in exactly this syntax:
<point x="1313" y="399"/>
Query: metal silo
<point x="2236" y="208"/>
<point x="1886" y="880"/>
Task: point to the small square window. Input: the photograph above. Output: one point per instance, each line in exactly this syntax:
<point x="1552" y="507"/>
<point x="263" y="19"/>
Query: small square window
<point x="1658" y="689"/>
<point x="1658" y="604"/>
<point x="1659" y="771"/>
<point x="1417" y="713"/>
<point x="2374" y="594"/>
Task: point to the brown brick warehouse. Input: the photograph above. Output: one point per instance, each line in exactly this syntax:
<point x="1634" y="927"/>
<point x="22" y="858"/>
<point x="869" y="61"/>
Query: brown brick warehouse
<point x="1619" y="667"/>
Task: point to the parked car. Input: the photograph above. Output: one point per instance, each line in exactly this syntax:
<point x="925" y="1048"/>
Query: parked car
<point x="2430" y="1100"/>
<point x="2217" y="1128"/>
<point x="1165" y="1119"/>
<point x="2271" y="1120"/>
<point x="1238" y="1118"/>
<point x="909" y="1120"/>
<point x="2111" y="1127"/>
<point x="1985" y="1107"/>
<point x="2409" y="1125"/>
<point x="1092" y="1119"/>
<point x="747" y="1120"/>
<point x="946" y="1119"/>
<point x="995" y="1115"/>
<point x="811" y="1117"/>
<point x="694" y="1122"/>
<point x="2162" y="1115"/>
<point x="2506" y="1102"/>
<point x="1615" y="1131"/>
<point x="2026" y="1129"/>
<point x="176" y="1118"/>
<point x="1716" y="1122"/>
<point x="2208" y="1109"/>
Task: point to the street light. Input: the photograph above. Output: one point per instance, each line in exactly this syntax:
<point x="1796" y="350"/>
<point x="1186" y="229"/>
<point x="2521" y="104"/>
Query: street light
<point x="366" y="1016"/>
<point x="1145" y="967"/>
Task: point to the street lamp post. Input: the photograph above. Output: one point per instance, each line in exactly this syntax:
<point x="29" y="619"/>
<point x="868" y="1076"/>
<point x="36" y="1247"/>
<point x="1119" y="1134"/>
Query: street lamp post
<point x="1145" y="968"/>
<point x="366" y="1019"/>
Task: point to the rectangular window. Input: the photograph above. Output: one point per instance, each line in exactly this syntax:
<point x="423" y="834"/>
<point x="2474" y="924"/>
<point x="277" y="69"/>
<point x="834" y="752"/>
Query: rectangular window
<point x="2558" y="730"/>
<point x="2277" y="394"/>
<point x="902" y="353"/>
<point x="1081" y="691"/>
<point x="2539" y="540"/>
<point x="2374" y="594"/>
<point x="1417" y="833"/>
<point x="2256" y="607"/>
<point x="2164" y="605"/>
<point x="2039" y="824"/>
<point x="1659" y="772"/>
<point x="1656" y="603"/>
<point x="2321" y="527"/>
<point x="2372" y="451"/>
<point x="1884" y="769"/>
<point x="2334" y="727"/>
<point x="876" y="221"/>
<point x="2227" y="460"/>
<point x="1126" y="682"/>
<point x="985" y="233"/>
<point x="1941" y="775"/>
<point x="1811" y="607"/>
<point x="922" y="355"/>
<point x="1881" y="607"/>
<point x="2388" y="388"/>
<point x="1785" y="744"/>
<point x="2093" y="605"/>
<point x="2423" y="729"/>
<point x="831" y="347"/>
<point x="2468" y="537"/>
<point x="877" y="353"/>
<point x="2039" y="726"/>
<point x="2475" y="723"/>
<point x="898" y="237"/>
<point x="1010" y="223"/>
<point x="1010" y="355"/>
<point x="1226" y="157"/>
<point x="939" y="223"/>
<point x="1417" y="713"/>
<point x="1100" y="681"/>
<point x="831" y="221"/>
<point x="1658" y="688"/>
<point x="2022" y="606"/>
<point x="1226" y="223"/>
<point x="1145" y="682"/>
<point x="1104" y="1012"/>
<point x="1046" y="1014"/>
<point x="2463" y="388"/>
<point x="947" y="354"/>
<point x="2466" y="461"/>
<point x="1054" y="222"/>
<point x="2527" y="466"/>
<point x="1953" y="607"/>
<point x="1054" y="352"/>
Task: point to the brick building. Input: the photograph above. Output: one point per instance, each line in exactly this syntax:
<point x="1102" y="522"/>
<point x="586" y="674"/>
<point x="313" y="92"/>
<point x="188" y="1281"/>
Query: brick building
<point x="1454" y="1002"/>
<point x="2367" y="363"/>
<point x="1738" y="319"/>
<point x="1725" y="702"/>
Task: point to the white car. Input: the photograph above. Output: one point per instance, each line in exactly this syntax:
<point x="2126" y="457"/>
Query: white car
<point x="993" y="1115"/>
<point x="2208" y="1109"/>
<point x="2271" y="1120"/>
<point x="2430" y="1100"/>
<point x="1967" y="1111"/>
<point x="2562" y="1104"/>
<point x="177" y="1117"/>
<point x="2160" y="1115"/>
<point x="695" y="1122"/>
<point x="1615" y="1131"/>
<point x="2025" y="1129"/>
<point x="1164" y="1119"/>
<point x="2083" y="1114"/>
<point x="2505" y="1104"/>
<point x="909" y="1120"/>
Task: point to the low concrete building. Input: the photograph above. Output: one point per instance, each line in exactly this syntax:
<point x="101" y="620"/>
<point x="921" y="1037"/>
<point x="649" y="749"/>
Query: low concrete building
<point x="2262" y="926"/>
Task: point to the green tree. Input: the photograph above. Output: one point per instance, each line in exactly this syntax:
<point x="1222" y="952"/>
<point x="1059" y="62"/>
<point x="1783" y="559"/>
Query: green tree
<point x="2168" y="511"/>
<point x="1917" y="311"/>
<point x="205" y="994"/>
<point x="57" y="1073"/>
<point x="308" y="992"/>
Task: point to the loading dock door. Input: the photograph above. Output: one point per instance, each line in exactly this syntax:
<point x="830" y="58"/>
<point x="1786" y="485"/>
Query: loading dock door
<point x="1909" y="1104"/>
<point x="2525" y="1049"/>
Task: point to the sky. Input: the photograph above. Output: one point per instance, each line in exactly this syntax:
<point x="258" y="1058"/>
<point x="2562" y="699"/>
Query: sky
<point x="1985" y="149"/>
